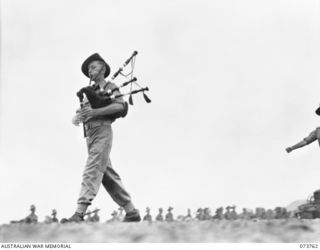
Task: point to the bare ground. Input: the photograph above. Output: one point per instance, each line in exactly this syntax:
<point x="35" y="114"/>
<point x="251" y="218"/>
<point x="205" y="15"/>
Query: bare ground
<point x="291" y="230"/>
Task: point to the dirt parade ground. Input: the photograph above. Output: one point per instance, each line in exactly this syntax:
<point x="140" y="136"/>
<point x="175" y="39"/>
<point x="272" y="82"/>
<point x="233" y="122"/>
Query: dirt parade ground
<point x="250" y="231"/>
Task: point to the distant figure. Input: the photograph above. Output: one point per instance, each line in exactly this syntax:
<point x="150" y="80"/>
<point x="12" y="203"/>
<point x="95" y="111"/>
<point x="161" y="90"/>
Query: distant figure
<point x="281" y="213"/>
<point x="245" y="215"/>
<point x="278" y="213"/>
<point x="233" y="213"/>
<point x="269" y="214"/>
<point x="207" y="214"/>
<point x="95" y="217"/>
<point x="114" y="217"/>
<point x="200" y="214"/>
<point x="159" y="217"/>
<point x="32" y="217"/>
<point x="169" y="215"/>
<point x="148" y="216"/>
<point x="260" y="213"/>
<point x="227" y="214"/>
<point x="188" y="217"/>
<point x="219" y="214"/>
<point x="54" y="218"/>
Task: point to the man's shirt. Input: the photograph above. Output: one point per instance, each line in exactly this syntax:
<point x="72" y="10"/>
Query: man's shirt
<point x="110" y="86"/>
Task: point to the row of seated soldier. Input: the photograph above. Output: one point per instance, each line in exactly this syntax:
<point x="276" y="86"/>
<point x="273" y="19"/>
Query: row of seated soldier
<point x="201" y="214"/>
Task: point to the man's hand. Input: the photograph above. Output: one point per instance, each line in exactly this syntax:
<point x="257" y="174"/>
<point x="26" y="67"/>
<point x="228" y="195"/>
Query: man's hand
<point x="82" y="115"/>
<point x="86" y="113"/>
<point x="288" y="149"/>
<point x="76" y="120"/>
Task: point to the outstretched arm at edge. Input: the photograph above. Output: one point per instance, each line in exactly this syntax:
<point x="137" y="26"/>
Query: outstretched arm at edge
<point x="309" y="139"/>
<point x="296" y="146"/>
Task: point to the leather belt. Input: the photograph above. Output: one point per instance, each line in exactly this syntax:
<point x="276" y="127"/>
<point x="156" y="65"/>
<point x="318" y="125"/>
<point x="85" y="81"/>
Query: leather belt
<point x="94" y="124"/>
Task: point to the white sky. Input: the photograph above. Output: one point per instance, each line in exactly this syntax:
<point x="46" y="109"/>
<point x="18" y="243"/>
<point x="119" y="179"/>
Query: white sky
<point x="232" y="84"/>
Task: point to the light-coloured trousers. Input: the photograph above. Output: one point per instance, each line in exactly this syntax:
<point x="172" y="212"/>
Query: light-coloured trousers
<point x="98" y="168"/>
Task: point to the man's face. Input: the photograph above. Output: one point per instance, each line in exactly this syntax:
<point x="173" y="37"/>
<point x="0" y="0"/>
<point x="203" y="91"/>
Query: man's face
<point x="95" y="69"/>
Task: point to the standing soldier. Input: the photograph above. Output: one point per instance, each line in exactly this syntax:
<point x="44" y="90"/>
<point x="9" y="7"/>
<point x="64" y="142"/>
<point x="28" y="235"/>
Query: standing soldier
<point x="169" y="215"/>
<point x="32" y="217"/>
<point x="159" y="217"/>
<point x="99" y="133"/>
<point x="148" y="216"/>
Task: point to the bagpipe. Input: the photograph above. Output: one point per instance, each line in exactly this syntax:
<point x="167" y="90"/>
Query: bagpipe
<point x="105" y="98"/>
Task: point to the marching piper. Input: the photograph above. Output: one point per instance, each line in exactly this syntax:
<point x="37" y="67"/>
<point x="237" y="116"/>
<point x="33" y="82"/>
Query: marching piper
<point x="98" y="168"/>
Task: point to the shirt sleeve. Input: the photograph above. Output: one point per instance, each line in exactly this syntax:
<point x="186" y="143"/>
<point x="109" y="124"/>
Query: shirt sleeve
<point x="113" y="86"/>
<point x="311" y="137"/>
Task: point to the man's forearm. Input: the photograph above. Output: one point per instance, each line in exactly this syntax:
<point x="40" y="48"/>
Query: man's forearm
<point x="109" y="110"/>
<point x="299" y="145"/>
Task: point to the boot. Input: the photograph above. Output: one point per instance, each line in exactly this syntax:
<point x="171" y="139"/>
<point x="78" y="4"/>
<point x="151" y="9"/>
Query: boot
<point x="132" y="216"/>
